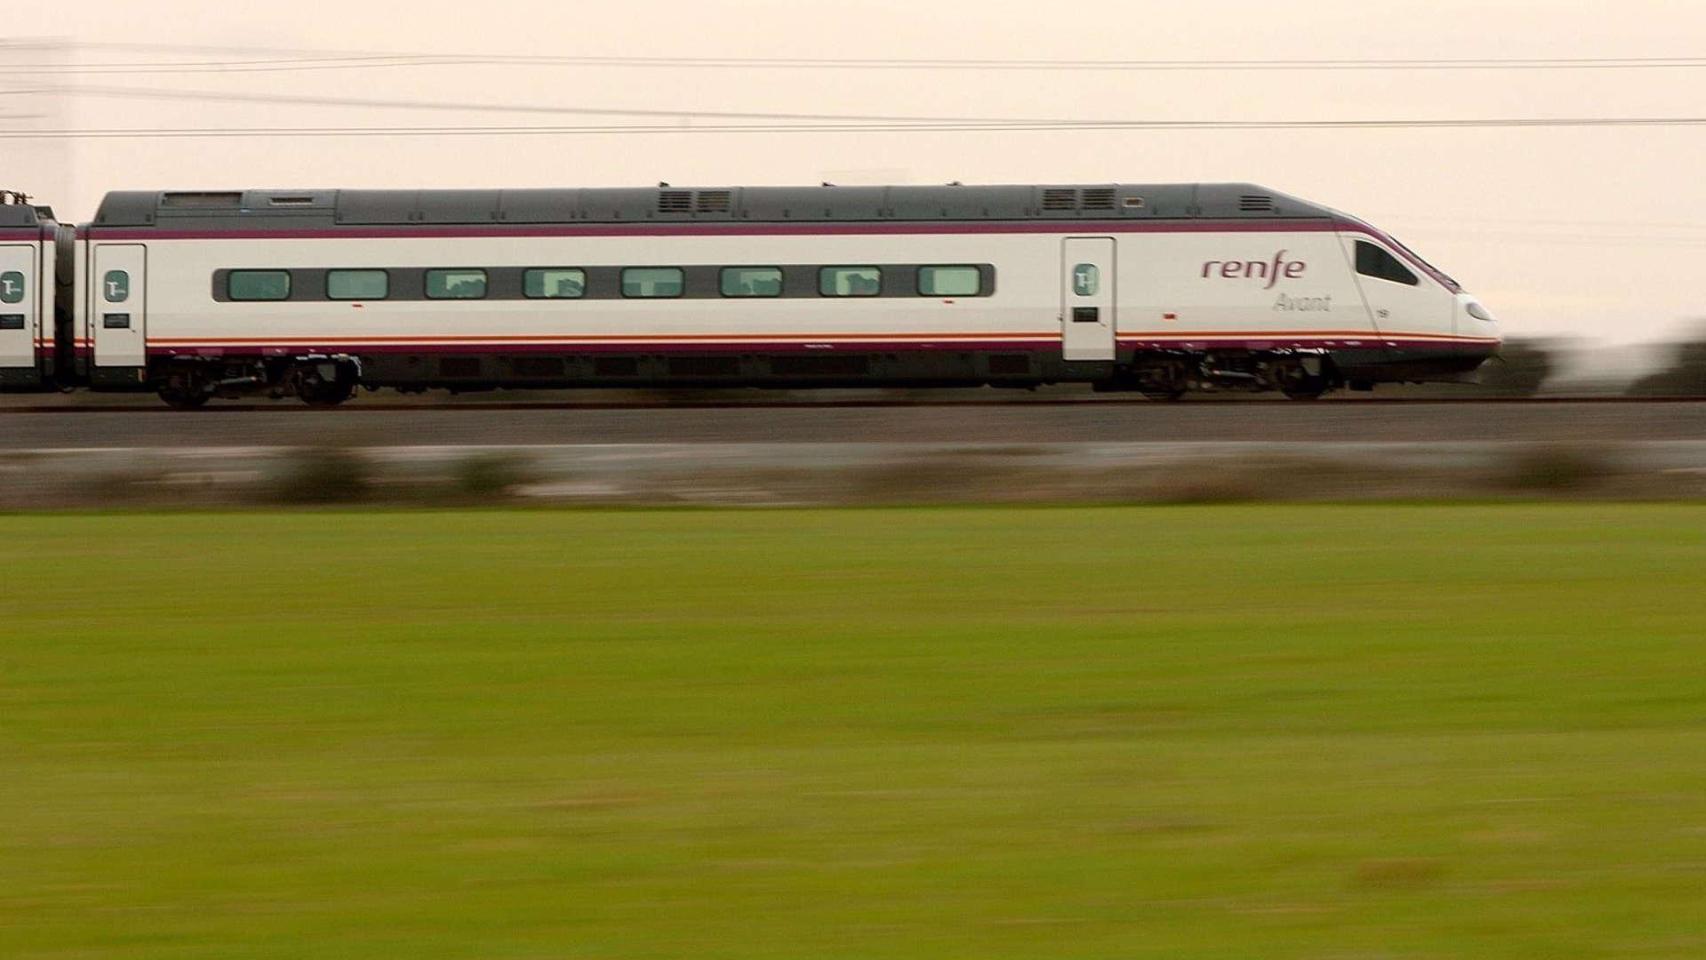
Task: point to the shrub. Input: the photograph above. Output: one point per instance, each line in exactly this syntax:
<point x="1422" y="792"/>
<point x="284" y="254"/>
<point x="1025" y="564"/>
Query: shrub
<point x="1556" y="468"/>
<point x="325" y="476"/>
<point x="491" y="475"/>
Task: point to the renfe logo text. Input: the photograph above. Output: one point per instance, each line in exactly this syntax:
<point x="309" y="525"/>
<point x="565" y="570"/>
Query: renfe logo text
<point x="1271" y="271"/>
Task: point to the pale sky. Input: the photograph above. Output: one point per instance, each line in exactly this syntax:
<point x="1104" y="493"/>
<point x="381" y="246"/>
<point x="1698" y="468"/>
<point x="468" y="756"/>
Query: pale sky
<point x="1597" y="232"/>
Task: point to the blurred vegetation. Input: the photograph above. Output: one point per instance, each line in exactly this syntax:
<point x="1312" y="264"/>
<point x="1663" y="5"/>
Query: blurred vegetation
<point x="1558" y="468"/>
<point x="492" y="476"/>
<point x="1198" y="732"/>
<point x="1685" y="376"/>
<point x="327" y="475"/>
<point x="1522" y="369"/>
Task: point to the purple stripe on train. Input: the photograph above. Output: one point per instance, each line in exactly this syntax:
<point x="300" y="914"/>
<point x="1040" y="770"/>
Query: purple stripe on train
<point x="985" y="346"/>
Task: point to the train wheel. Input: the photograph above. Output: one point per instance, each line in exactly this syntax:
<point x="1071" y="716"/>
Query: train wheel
<point x="1164" y="396"/>
<point x="1300" y="383"/>
<point x="185" y="390"/>
<point x="321" y="393"/>
<point x="316" y="390"/>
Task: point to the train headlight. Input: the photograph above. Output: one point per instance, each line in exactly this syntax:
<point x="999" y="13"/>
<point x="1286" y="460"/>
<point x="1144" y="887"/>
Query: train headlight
<point x="1480" y="313"/>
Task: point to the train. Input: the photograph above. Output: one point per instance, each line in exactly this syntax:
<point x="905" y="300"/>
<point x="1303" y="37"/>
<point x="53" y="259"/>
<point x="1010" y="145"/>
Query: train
<point x="1153" y="290"/>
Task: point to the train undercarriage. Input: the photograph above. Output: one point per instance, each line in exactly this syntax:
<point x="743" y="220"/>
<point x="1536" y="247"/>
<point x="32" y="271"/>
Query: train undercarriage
<point x="327" y="380"/>
<point x="1298" y="374"/>
<point x="317" y="380"/>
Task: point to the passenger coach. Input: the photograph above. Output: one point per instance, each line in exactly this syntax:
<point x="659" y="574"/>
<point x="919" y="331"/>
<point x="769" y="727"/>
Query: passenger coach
<point x="1157" y="289"/>
<point x="28" y="271"/>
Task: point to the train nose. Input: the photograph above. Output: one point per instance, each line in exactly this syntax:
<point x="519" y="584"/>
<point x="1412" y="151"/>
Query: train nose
<point x="1480" y="320"/>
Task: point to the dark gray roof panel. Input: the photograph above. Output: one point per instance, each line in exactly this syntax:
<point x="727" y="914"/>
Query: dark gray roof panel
<point x="814" y="203"/>
<point x="296" y="209"/>
<point x="128" y="209"/>
<point x="307" y="203"/>
<point x="619" y="205"/>
<point x="1163" y="202"/>
<point x="18" y="215"/>
<point x="458" y="206"/>
<point x="961" y="203"/>
<point x="540" y="206"/>
<point x="1235" y="200"/>
<point x="377" y="207"/>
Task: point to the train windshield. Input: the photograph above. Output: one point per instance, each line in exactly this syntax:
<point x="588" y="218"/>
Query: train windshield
<point x="1432" y="270"/>
<point x="1449" y="281"/>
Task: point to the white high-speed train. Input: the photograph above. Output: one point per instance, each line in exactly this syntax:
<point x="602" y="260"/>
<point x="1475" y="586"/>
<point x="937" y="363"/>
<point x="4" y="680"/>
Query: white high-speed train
<point x="1155" y="289"/>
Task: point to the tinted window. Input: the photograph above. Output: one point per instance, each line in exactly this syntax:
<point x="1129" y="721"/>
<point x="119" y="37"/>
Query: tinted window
<point x="752" y="282"/>
<point x="11" y="287"/>
<point x="649" y="282"/>
<point x="1372" y="261"/>
<point x="257" y="285"/>
<point x="850" y="281"/>
<point x="455" y="284"/>
<point x="115" y="286"/>
<point x="1086" y="280"/>
<point x="357" y="284"/>
<point x="554" y="284"/>
<point x="949" y="281"/>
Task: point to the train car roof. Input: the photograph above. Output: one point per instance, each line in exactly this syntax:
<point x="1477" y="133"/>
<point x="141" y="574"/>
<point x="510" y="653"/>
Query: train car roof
<point x="250" y="210"/>
<point x="23" y="215"/>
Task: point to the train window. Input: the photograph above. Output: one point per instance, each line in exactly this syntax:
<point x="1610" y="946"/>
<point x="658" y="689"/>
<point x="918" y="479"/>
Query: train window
<point x="850" y="281"/>
<point x="1372" y="261"/>
<point x="248" y="285"/>
<point x="558" y="283"/>
<point x="949" y="281"/>
<point x="456" y="284"/>
<point x="11" y="287"/>
<point x="115" y="286"/>
<point x="653" y="282"/>
<point x="357" y="284"/>
<point x="1086" y="279"/>
<point x="752" y="281"/>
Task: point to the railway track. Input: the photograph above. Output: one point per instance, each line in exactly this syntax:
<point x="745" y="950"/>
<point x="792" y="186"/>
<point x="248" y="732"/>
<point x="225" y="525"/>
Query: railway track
<point x="522" y="406"/>
<point x="856" y="421"/>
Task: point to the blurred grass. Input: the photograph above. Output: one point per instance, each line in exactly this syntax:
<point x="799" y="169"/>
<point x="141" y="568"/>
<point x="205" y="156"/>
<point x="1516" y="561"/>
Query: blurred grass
<point x="1216" y="732"/>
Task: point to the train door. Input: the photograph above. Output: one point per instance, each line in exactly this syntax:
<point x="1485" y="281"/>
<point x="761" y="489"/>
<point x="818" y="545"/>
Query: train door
<point x="1087" y="298"/>
<point x="19" y="300"/>
<point x="118" y="305"/>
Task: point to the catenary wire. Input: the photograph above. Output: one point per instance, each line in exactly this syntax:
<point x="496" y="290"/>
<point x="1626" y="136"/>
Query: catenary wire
<point x="857" y="127"/>
<point x="398" y="61"/>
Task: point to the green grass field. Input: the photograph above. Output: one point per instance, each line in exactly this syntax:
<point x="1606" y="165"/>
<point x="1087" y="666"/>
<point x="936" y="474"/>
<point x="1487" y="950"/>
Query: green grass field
<point x="1209" y="732"/>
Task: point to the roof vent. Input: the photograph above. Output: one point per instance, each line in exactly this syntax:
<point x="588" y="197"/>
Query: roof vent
<point x="1060" y="198"/>
<point x="675" y="201"/>
<point x="1099" y="198"/>
<point x="1255" y="203"/>
<point x="293" y="201"/>
<point x="713" y="201"/>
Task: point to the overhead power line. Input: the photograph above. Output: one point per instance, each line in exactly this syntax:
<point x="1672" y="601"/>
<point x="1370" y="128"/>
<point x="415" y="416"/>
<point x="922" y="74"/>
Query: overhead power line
<point x="222" y="96"/>
<point x="1565" y="224"/>
<point x="324" y="61"/>
<point x="859" y="127"/>
<point x="723" y="120"/>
